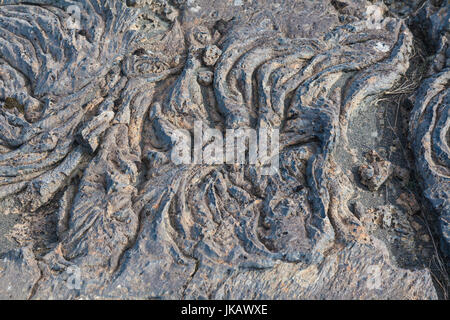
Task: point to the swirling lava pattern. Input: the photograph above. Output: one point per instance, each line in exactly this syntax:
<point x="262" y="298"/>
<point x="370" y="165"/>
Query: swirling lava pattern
<point x="96" y="132"/>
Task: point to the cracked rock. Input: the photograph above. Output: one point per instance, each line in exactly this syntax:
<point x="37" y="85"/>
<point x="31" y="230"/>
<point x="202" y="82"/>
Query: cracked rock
<point x="374" y="174"/>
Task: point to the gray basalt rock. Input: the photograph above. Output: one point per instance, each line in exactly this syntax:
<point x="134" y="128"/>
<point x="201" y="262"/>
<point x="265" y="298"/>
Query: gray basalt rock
<point x="107" y="85"/>
<point x="19" y="274"/>
<point x="430" y="118"/>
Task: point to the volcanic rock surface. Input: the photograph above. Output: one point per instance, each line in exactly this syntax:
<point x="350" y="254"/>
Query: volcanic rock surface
<point x="93" y="92"/>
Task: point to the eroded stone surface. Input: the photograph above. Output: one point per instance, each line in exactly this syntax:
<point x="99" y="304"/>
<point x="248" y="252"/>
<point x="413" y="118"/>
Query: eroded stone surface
<point x="430" y="118"/>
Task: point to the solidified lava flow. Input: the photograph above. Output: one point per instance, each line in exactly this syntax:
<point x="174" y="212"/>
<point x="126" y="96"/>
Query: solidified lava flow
<point x="96" y="95"/>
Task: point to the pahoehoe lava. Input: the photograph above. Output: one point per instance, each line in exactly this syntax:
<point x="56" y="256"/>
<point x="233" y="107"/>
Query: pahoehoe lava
<point x="92" y="92"/>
